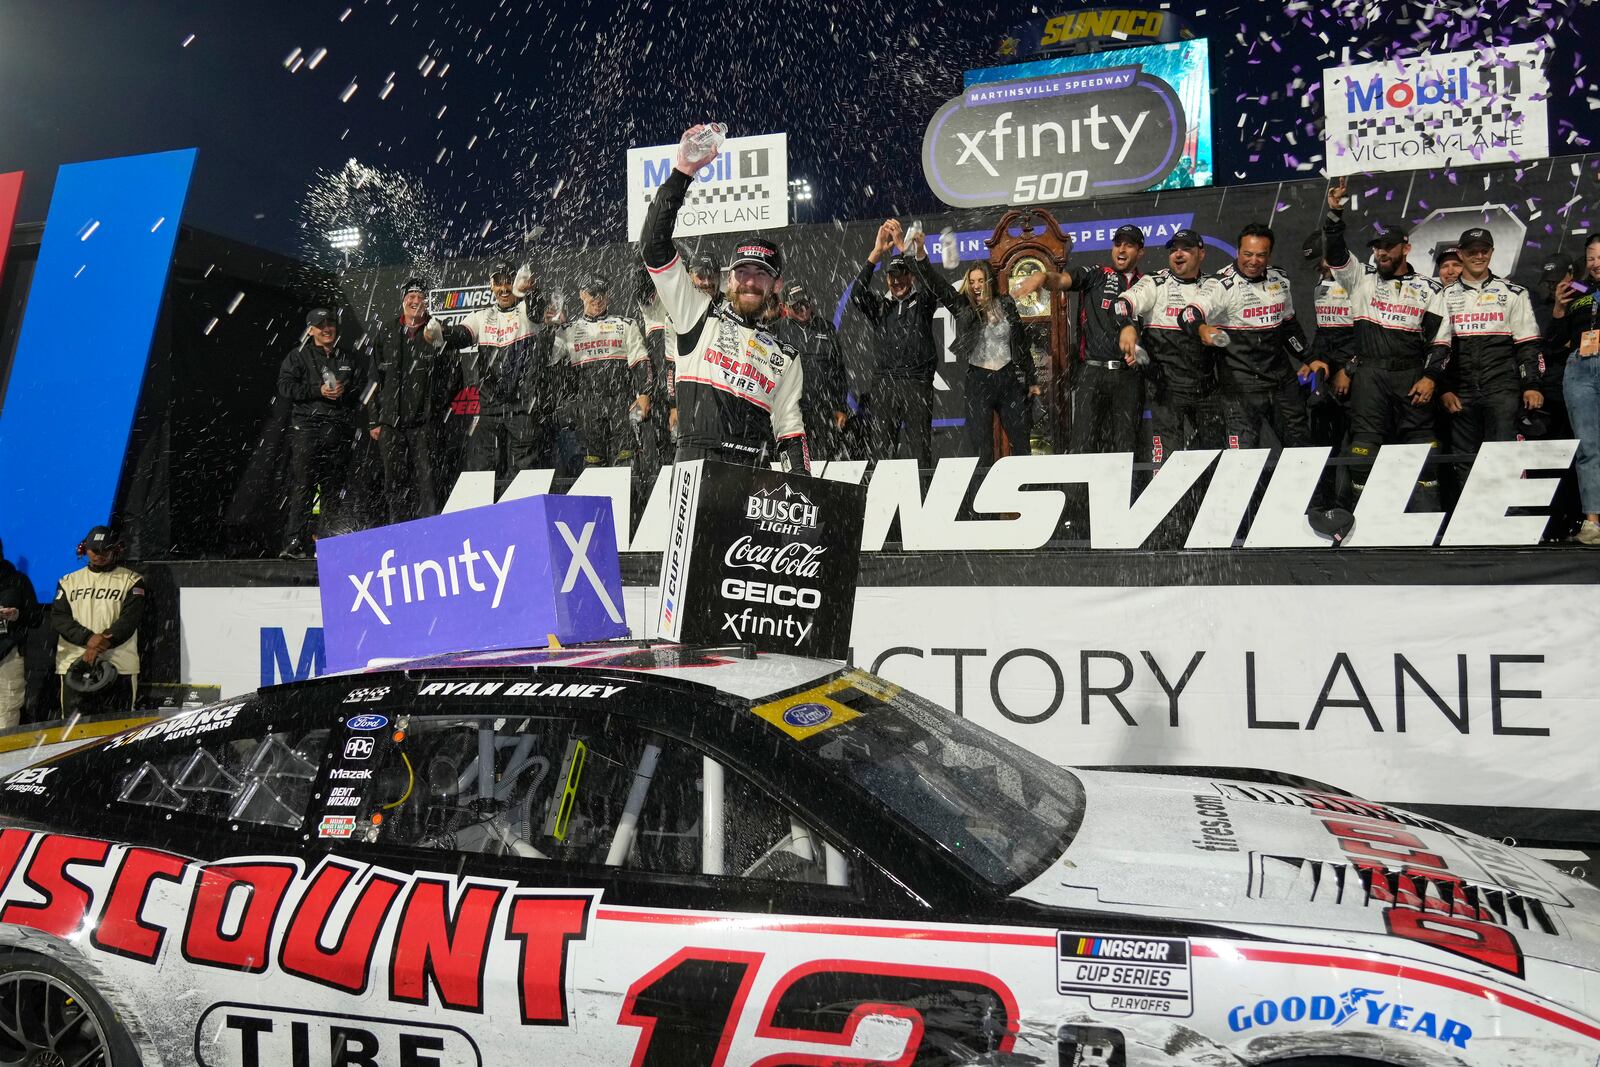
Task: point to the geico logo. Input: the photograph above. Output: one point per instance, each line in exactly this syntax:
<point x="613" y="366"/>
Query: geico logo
<point x="786" y="596"/>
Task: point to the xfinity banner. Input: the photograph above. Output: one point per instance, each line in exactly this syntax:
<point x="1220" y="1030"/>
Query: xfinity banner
<point x="1076" y="127"/>
<point x="760" y="557"/>
<point x="507" y="576"/>
<point x="1447" y="110"/>
<point x="745" y="188"/>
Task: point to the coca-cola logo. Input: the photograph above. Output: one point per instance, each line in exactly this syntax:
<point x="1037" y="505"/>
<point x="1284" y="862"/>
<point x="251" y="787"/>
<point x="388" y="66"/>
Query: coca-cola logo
<point x="793" y="560"/>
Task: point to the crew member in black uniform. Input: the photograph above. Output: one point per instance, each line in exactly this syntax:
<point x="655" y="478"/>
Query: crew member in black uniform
<point x="738" y="385"/>
<point x="1496" y="366"/>
<point x="1181" y="372"/>
<point x="323" y="380"/>
<point x="825" y="402"/>
<point x="611" y="373"/>
<point x="904" y="350"/>
<point x="1402" y="334"/>
<point x="414" y="385"/>
<point x="1107" y="395"/>
<point x="96" y="616"/>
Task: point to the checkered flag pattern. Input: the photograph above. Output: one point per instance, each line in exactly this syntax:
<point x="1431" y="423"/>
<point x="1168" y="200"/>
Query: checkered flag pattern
<point x="731" y="194"/>
<point x="1473" y="116"/>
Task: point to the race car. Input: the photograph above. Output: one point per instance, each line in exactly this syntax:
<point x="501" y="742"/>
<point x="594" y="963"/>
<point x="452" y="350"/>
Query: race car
<point x="648" y="854"/>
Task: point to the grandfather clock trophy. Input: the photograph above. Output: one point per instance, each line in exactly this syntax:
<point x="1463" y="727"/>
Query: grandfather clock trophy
<point x="1041" y="245"/>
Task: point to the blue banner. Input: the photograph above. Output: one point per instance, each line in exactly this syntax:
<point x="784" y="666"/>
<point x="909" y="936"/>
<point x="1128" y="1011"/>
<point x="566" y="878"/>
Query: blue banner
<point x="82" y="352"/>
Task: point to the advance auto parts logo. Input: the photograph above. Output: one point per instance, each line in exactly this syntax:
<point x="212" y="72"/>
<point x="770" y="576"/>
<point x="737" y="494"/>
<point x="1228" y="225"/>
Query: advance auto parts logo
<point x="783" y="509"/>
<point x="1058" y="137"/>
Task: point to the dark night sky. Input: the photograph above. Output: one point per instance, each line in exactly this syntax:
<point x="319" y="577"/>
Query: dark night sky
<point x="556" y="92"/>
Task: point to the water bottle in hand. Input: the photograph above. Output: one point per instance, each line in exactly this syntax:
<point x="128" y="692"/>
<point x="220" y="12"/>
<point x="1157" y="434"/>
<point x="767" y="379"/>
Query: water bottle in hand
<point x="707" y="141"/>
<point x="1219" y="338"/>
<point x="329" y="379"/>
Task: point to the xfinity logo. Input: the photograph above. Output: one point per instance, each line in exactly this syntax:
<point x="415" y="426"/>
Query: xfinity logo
<point x="1084" y="133"/>
<point x="580" y="564"/>
<point x="747" y="624"/>
<point x="429" y="574"/>
<point x="783" y="509"/>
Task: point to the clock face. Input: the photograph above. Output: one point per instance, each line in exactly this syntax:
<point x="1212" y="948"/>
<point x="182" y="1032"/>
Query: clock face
<point x="1036" y="303"/>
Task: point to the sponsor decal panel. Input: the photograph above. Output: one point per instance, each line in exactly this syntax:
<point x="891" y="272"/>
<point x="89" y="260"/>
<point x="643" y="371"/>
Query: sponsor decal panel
<point x="1354" y="1007"/>
<point x="32" y="780"/>
<point x="182" y="726"/>
<point x="240" y="1035"/>
<point x="367" y="722"/>
<point x="745" y="188"/>
<point x="1439" y="110"/>
<point x="337" y="826"/>
<point x="1124" y="973"/>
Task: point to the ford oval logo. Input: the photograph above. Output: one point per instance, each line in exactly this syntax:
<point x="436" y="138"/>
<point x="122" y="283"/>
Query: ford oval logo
<point x="368" y="722"/>
<point x="804" y="715"/>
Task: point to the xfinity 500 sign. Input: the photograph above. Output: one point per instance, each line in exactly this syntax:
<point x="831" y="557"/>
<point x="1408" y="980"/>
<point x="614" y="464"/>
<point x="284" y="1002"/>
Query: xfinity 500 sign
<point x="1081" y="126"/>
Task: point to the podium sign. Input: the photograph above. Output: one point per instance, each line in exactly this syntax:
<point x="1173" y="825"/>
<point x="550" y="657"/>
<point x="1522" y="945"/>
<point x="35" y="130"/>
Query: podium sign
<point x="509" y="575"/>
<point x="759" y="557"/>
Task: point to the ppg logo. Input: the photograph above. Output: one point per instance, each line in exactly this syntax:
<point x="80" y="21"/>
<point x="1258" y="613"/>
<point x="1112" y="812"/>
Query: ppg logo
<point x="358" y="748"/>
<point x="367" y="722"/>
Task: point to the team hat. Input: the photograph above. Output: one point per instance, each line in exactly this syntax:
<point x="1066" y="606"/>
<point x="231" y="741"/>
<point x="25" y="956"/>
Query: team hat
<point x="760" y="251"/>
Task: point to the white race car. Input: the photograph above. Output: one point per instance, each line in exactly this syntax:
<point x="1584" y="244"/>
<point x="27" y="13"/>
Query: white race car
<point x="654" y="854"/>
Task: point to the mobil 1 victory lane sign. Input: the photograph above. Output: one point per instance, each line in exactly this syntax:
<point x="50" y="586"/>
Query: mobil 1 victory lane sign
<point x="745" y="188"/>
<point x="760" y="557"/>
<point x="1451" y="109"/>
<point x="509" y="575"/>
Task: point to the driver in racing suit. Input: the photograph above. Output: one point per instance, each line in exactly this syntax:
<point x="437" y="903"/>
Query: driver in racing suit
<point x="738" y="386"/>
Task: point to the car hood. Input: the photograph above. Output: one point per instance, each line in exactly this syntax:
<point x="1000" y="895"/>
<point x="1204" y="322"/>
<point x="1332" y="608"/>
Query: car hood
<point x="1232" y="852"/>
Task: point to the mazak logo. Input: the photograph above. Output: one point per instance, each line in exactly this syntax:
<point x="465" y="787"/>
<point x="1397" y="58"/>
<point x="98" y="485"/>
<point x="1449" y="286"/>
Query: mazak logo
<point x="1358" y="1006"/>
<point x="421" y="576"/>
<point x="783" y="509"/>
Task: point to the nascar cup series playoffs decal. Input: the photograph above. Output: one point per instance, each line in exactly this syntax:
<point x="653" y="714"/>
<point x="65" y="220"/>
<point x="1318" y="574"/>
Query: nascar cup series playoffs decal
<point x="1136" y="975"/>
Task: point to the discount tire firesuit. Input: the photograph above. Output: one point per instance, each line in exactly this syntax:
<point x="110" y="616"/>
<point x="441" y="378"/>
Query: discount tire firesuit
<point x="738" y="386"/>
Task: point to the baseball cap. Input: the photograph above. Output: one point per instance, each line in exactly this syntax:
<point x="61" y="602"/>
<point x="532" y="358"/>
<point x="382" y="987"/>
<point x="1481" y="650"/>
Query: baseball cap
<point x="1186" y="239"/>
<point x="596" y="285"/>
<point x="1130" y="233"/>
<point x="1557" y="265"/>
<point x="414" y="285"/>
<point x="705" y="266"/>
<point x="1447" y="252"/>
<point x="795" y="295"/>
<point x="1389" y="233"/>
<point x="1312" y="246"/>
<point x="318" y="316"/>
<point x="759" y="251"/>
<point x="1475" y="236"/>
<point x="898" y="262"/>
<point x="100" y="539"/>
<point x="502" y="266"/>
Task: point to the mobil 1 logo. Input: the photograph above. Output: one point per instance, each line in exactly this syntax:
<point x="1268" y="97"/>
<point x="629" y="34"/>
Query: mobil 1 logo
<point x="1124" y="973"/>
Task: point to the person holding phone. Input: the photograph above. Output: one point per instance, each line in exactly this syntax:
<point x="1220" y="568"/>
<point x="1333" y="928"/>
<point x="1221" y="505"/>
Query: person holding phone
<point x="1575" y="329"/>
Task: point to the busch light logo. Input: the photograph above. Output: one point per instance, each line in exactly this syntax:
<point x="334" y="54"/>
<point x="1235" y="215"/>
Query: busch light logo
<point x="368" y="722"/>
<point x="1357" y="1006"/>
<point x="807" y="715"/>
<point x="783" y="509"/>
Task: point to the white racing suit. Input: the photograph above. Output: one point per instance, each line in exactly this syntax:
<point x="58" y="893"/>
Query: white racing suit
<point x="738" y="387"/>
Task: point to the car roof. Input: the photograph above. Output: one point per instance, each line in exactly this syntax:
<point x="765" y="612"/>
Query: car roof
<point x="734" y="670"/>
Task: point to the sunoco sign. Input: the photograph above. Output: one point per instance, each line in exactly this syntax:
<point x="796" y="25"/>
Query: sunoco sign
<point x="1065" y="134"/>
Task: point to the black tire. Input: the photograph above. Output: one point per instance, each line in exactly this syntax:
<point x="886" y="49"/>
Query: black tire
<point x="46" y="1008"/>
<point x="1327" y="1061"/>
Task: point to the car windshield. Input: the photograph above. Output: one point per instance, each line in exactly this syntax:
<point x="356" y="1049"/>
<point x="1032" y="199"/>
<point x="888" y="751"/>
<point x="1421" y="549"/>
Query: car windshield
<point x="1002" y="812"/>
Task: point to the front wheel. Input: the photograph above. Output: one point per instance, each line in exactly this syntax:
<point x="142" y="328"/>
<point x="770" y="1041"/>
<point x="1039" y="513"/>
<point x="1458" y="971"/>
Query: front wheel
<point x="48" y="1015"/>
